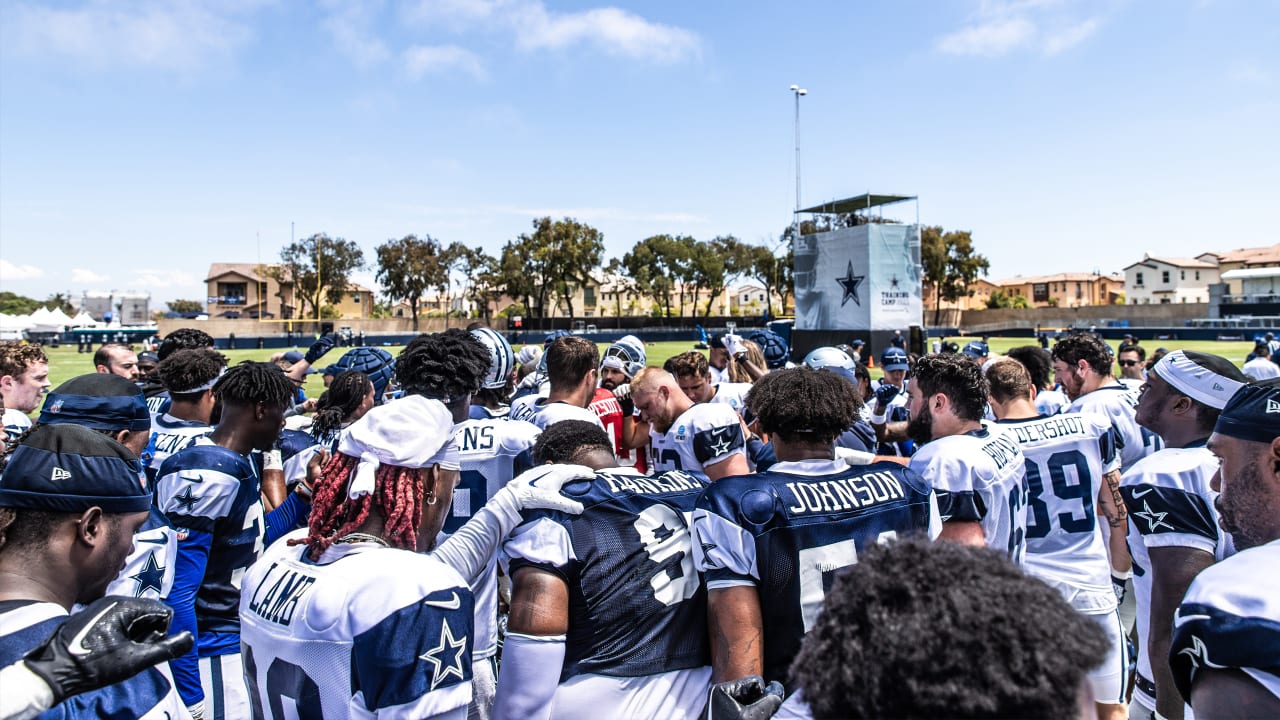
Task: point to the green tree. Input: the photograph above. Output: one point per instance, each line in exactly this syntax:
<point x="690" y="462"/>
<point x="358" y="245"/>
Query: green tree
<point x="950" y="264"/>
<point x="1002" y="299"/>
<point x="14" y="304"/>
<point x="650" y="267"/>
<point x="61" y="301"/>
<point x="714" y="264"/>
<point x="621" y="283"/>
<point x="319" y="267"/>
<point x="185" y="306"/>
<point x="407" y="268"/>
<point x="571" y="250"/>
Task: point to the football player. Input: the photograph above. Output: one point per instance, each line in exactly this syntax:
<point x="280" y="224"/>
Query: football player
<point x="768" y="544"/>
<point x="910" y="632"/>
<point x="71" y="500"/>
<point x="188" y="375"/>
<point x="1227" y="629"/>
<point x="1173" y="526"/>
<point x="702" y="439"/>
<point x="621" y="361"/>
<point x="572" y="367"/>
<point x="889" y="409"/>
<point x="692" y="374"/>
<point x="493" y="399"/>
<point x="212" y="496"/>
<point x="608" y="615"/>
<point x="358" y="622"/>
<point x="976" y="469"/>
<point x="1071" y="468"/>
<point x="24" y="379"/>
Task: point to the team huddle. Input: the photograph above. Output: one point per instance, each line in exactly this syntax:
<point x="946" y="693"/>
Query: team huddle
<point x="461" y="531"/>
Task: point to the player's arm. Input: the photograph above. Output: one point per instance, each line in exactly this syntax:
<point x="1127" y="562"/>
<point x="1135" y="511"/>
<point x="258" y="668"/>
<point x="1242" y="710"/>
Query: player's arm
<point x="635" y="432"/>
<point x="735" y="464"/>
<point x="737" y="632"/>
<point x="1230" y="693"/>
<point x="964" y="532"/>
<point x="1111" y="506"/>
<point x="190" y="563"/>
<point x="533" y="653"/>
<point x="1173" y="568"/>
<point x="274" y="491"/>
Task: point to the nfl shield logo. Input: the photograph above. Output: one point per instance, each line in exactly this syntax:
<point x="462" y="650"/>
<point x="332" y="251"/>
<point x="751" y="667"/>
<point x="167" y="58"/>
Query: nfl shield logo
<point x="56" y="407"/>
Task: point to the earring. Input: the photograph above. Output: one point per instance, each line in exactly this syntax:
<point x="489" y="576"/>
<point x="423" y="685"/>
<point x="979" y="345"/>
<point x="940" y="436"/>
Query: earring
<point x="431" y="498"/>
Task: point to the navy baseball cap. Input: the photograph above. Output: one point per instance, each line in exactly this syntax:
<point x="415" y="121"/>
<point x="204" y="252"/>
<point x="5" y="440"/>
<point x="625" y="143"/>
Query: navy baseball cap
<point x="293" y="356"/>
<point x="717" y="341"/>
<point x="894" y="358"/>
<point x="976" y="349"/>
<point x="99" y="401"/>
<point x="1252" y="413"/>
<point x="69" y="469"/>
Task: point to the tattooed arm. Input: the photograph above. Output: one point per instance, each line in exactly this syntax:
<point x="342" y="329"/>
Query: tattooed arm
<point x="1111" y="506"/>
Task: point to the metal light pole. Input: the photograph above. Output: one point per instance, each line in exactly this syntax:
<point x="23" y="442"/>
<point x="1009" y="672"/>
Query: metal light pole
<point x="798" y="92"/>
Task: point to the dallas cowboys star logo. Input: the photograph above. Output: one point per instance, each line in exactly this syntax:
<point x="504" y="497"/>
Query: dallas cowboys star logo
<point x="185" y="500"/>
<point x="1154" y="519"/>
<point x="893" y="282"/>
<point x="1198" y="654"/>
<point x="721" y="446"/>
<point x="150" y="576"/>
<point x="443" y="667"/>
<point x="850" y="283"/>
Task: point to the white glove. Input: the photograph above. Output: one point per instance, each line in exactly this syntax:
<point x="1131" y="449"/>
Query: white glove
<point x="734" y="345"/>
<point x="539" y="489"/>
<point x="854" y="458"/>
<point x="623" y="391"/>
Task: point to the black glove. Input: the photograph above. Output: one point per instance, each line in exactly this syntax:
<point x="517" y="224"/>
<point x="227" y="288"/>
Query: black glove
<point x="886" y="393"/>
<point x="746" y="698"/>
<point x="111" y="640"/>
<point x="320" y="347"/>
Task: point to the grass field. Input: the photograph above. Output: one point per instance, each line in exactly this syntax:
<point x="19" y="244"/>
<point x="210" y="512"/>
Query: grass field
<point x="66" y="363"/>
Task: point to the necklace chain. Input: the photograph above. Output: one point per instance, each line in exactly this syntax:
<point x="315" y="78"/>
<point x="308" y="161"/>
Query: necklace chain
<point x="359" y="537"/>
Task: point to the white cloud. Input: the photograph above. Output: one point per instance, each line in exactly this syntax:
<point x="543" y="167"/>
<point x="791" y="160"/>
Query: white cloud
<point x="173" y="36"/>
<point x="611" y="30"/>
<point x="990" y="39"/>
<point x="350" y="25"/>
<point x="421" y="60"/>
<point x="12" y="271"/>
<point x="80" y="276"/>
<point x="149" y="279"/>
<point x="1069" y="37"/>
<point x="1050" y="27"/>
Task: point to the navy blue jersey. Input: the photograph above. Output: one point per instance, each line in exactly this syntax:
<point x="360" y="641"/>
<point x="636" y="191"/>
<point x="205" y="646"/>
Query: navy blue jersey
<point x="25" y="624"/>
<point x="636" y="604"/>
<point x="169" y="436"/>
<point x="212" y="498"/>
<point x="788" y="531"/>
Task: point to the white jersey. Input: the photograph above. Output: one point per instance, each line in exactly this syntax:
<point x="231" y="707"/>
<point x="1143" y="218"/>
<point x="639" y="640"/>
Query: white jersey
<point x="365" y="631"/>
<point x="1261" y="368"/>
<point x="170" y="435"/>
<point x="491" y="453"/>
<point x="16" y="422"/>
<point x="1118" y="402"/>
<point x="718" y="375"/>
<point x="1170" y="505"/>
<point x="1230" y="618"/>
<point x="980" y="476"/>
<point x="542" y="412"/>
<point x="703" y="435"/>
<point x="732" y="394"/>
<point x="1067" y="456"/>
<point x="1051" y="402"/>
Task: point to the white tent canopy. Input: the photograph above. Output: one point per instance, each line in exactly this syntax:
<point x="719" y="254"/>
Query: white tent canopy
<point x="83" y="319"/>
<point x="58" y="316"/>
<point x="15" y="323"/>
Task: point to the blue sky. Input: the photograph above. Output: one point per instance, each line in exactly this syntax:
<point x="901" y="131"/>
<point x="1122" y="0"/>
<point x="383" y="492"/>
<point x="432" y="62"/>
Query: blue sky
<point x="142" y="141"/>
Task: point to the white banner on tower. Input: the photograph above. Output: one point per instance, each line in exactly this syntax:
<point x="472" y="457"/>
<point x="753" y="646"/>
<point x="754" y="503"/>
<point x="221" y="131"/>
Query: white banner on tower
<point x="865" y="277"/>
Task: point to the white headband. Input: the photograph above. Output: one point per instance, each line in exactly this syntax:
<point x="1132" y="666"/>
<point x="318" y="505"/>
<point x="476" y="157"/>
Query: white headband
<point x="200" y="388"/>
<point x="411" y="432"/>
<point x="1195" y="380"/>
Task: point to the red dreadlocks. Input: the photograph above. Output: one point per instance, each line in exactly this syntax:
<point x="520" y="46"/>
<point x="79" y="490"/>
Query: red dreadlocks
<point x="397" y="492"/>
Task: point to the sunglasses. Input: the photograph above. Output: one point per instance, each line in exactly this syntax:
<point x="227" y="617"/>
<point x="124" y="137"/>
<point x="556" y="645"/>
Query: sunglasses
<point x="1128" y="363"/>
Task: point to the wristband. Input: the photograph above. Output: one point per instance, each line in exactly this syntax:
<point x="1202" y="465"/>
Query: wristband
<point x="304" y="490"/>
<point x="879" y="419"/>
<point x="271" y="460"/>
